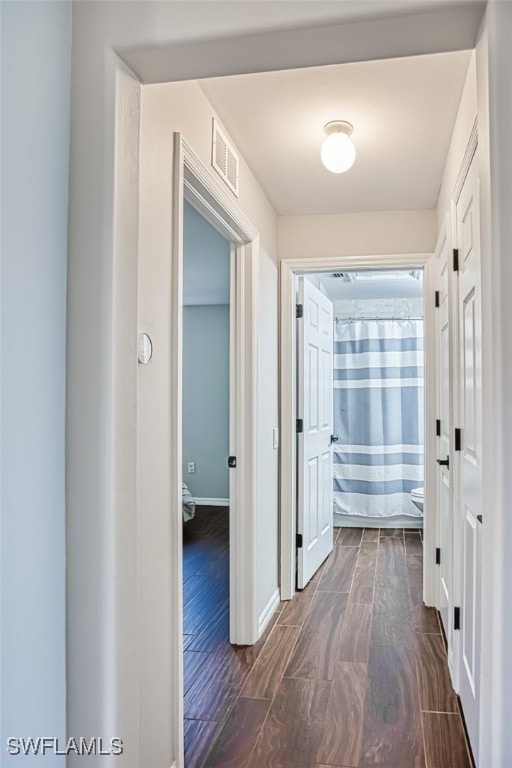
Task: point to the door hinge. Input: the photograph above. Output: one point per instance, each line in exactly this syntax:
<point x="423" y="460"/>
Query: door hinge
<point x="438" y="427"/>
<point x="480" y="518"/>
<point x="436" y="298"/>
<point x="458" y="438"/>
<point x="299" y="425"/>
<point x="299" y="310"/>
<point x="298" y="540"/>
<point x="456" y="617"/>
<point x="455" y="259"/>
<point x="232" y="462"/>
<point x="438" y="555"/>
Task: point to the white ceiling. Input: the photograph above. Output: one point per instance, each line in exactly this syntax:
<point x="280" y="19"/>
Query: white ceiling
<point x="214" y="38"/>
<point x="401" y="286"/>
<point x="403" y="111"/>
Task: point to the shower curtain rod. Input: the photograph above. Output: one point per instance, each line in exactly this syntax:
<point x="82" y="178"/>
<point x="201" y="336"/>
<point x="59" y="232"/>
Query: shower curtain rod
<point x="338" y="319"/>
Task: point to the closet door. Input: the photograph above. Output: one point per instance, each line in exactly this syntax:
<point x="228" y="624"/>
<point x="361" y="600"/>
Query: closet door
<point x="444" y="426"/>
<point x="314" y="452"/>
<point x="470" y="453"/>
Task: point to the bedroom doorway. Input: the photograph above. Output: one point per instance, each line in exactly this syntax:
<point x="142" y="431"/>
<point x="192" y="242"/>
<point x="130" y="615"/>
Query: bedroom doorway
<point x="206" y="475"/>
<point x="197" y="193"/>
<point x="367" y="395"/>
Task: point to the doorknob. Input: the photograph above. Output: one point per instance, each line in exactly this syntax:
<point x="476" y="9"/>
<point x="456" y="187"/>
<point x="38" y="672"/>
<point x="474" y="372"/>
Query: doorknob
<point x="444" y="462"/>
<point x="334" y="439"/>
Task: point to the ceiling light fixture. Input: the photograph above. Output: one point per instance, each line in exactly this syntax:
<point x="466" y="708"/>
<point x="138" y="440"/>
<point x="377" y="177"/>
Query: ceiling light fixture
<point x="338" y="152"/>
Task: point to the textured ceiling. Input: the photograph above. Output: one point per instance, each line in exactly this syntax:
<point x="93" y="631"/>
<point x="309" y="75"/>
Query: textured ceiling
<point x="403" y="112"/>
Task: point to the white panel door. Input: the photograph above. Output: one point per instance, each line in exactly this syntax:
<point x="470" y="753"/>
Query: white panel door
<point x="314" y="453"/>
<point x="444" y="430"/>
<point x="470" y="417"/>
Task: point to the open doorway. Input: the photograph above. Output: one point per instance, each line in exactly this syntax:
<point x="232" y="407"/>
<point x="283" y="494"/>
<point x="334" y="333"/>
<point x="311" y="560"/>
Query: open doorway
<point x="205" y="452"/>
<point x="206" y="395"/>
<point x="216" y="621"/>
<point x="369" y="397"/>
<point x="360" y="384"/>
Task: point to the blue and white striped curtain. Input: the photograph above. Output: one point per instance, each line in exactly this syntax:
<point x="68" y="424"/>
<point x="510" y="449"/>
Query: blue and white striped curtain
<point x="378" y="416"/>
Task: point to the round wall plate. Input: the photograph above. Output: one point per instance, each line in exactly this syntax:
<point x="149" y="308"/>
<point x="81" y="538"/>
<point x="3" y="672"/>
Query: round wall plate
<point x="145" y="349"/>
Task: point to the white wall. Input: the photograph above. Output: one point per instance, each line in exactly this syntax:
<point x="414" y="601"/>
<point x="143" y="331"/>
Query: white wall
<point x="106" y="545"/>
<point x="357" y="234"/>
<point x="464" y="122"/>
<point x="35" y="45"/>
<point x="492" y="102"/>
<point x="494" y="64"/>
<point x="183" y="107"/>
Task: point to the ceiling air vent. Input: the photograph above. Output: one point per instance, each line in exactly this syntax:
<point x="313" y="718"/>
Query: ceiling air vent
<point x="224" y="158"/>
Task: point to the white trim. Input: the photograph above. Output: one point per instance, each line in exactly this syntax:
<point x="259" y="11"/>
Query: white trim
<point x="430" y="501"/>
<point x="194" y="182"/>
<point x="203" y="191"/>
<point x="176" y="468"/>
<point x="210" y="502"/>
<point x="444" y="239"/>
<point x="217" y="206"/>
<point x="466" y="162"/>
<point x="287" y="337"/>
<point x="268" y="612"/>
<point x="455" y="461"/>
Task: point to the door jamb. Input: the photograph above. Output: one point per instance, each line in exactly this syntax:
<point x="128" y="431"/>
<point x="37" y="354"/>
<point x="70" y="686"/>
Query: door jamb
<point x="470" y="156"/>
<point x="288" y="405"/>
<point x="193" y="182"/>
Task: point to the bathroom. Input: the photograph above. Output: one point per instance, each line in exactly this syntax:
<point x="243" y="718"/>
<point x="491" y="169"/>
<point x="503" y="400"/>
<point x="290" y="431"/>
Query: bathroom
<point x="378" y="396"/>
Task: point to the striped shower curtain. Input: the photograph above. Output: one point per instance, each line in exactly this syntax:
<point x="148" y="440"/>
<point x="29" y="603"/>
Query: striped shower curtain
<point x="378" y="417"/>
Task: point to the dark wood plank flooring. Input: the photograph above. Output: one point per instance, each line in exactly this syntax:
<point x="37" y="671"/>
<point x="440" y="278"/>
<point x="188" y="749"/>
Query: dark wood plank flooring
<point x="351" y="673"/>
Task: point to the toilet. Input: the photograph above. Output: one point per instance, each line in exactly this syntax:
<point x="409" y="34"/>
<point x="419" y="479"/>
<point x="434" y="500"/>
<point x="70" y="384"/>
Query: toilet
<point x="417" y="498"/>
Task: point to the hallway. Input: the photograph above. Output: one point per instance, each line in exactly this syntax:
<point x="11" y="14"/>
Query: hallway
<point x="351" y="673"/>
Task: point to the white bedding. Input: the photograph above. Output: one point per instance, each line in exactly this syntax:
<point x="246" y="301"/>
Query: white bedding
<point x="188" y="503"/>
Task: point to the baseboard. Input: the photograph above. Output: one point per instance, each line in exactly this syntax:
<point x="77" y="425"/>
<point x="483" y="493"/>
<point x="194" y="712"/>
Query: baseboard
<point x="267" y="612"/>
<point x="206" y="502"/>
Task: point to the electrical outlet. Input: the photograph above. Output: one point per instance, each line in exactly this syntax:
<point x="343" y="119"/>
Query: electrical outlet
<point x="191" y="467"/>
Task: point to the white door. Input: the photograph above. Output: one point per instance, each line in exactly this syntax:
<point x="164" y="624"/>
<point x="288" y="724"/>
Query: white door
<point x="315" y="395"/>
<point x="470" y="455"/>
<point x="444" y="426"/>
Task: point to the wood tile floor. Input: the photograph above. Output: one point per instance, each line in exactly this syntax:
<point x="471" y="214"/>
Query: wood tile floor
<point x="351" y="673"/>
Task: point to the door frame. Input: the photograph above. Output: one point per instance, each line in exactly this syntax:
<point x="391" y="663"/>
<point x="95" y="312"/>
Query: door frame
<point x="471" y="155"/>
<point x="193" y="182"/>
<point x="445" y="239"/>
<point x="289" y="269"/>
<point x="450" y="226"/>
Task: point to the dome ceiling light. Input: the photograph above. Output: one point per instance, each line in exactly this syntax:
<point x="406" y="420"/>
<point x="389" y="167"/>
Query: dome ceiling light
<point x="338" y="152"/>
